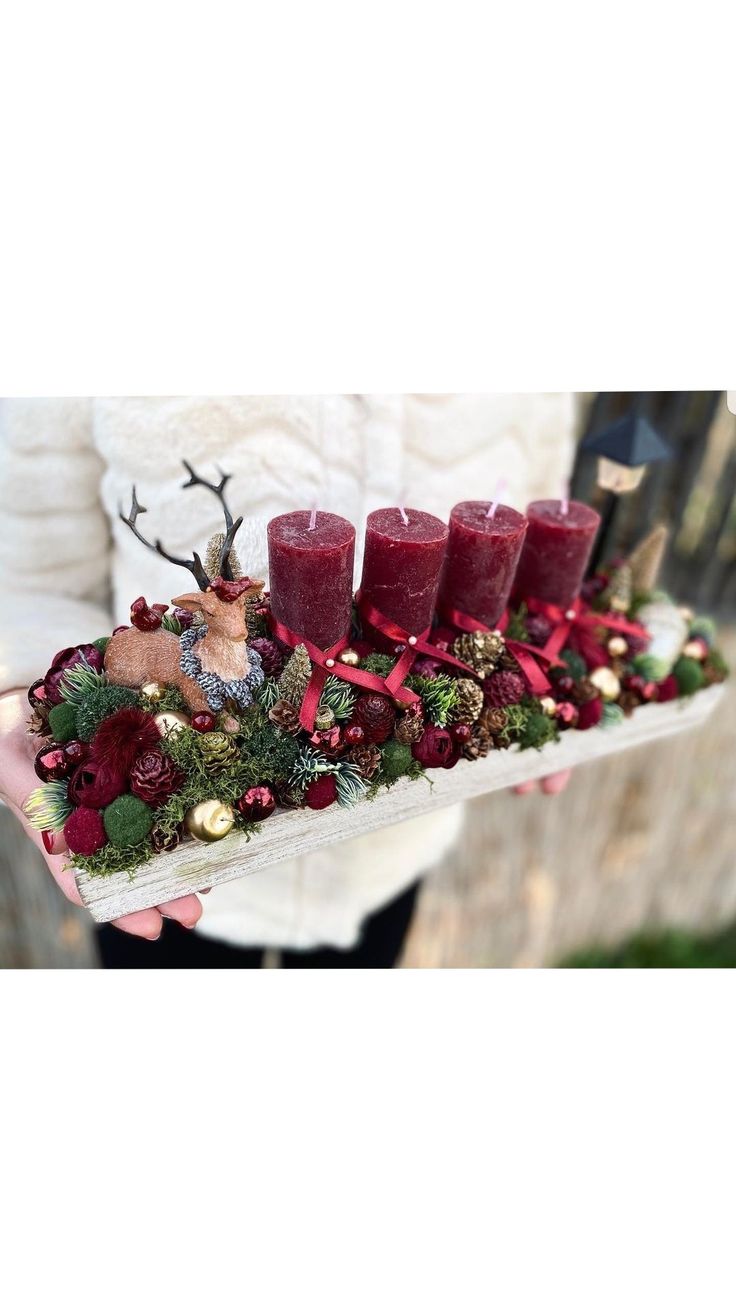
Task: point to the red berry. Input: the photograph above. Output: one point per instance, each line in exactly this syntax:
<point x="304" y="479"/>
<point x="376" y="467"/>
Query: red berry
<point x="565" y="684"/>
<point x="567" y="715"/>
<point x="203" y="721"/>
<point x="256" y="804"/>
<point x="77" y="751"/>
<point x="353" y="734"/>
<point x="461" y="732"/>
<point x="51" y="763"/>
<point x="322" y="792"/>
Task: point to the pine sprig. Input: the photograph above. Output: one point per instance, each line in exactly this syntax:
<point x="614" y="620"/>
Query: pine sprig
<point x="48" y="807"/>
<point x="310" y="765"/>
<point x="267" y="693"/>
<point x="80" y="681"/>
<point x="438" y="695"/>
<point x="339" y="696"/>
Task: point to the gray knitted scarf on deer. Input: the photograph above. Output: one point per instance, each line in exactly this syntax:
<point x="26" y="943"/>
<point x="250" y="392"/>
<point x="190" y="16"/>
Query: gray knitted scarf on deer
<point x="218" y="692"/>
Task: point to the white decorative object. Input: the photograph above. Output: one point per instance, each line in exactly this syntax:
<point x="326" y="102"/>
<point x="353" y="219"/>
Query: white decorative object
<point x="668" y="630"/>
<point x="297" y="831"/>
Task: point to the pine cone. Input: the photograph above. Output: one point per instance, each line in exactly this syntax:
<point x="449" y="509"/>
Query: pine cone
<point x="218" y="750"/>
<point x="507" y="662"/>
<point x="493" y="720"/>
<point x="376" y="715"/>
<point x="411" y="725"/>
<point x="469" y="703"/>
<point x="38" y="725"/>
<point x="628" y="700"/>
<point x="284" y="715"/>
<point x="584" y="691"/>
<point x="163" y="842"/>
<point x="154" y="776"/>
<point x="367" y="759"/>
<point x="271" y="657"/>
<point x="480" y="744"/>
<point x="481" y="650"/>
<point x="504" y="688"/>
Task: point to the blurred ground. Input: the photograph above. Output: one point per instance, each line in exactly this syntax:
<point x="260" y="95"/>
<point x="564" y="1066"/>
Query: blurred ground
<point x="643" y="840"/>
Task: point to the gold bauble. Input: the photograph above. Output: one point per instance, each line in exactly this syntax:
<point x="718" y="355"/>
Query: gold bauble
<point x="606" y="681"/>
<point x="170" y="722"/>
<point x="695" y="649"/>
<point x="617" y="646"/>
<point x="154" y="691"/>
<point x="209" y="820"/>
<point x="548" y="705"/>
<point x="350" y="657"/>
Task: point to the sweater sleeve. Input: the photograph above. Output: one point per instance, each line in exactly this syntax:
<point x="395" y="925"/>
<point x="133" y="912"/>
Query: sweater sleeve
<point x="54" y="537"/>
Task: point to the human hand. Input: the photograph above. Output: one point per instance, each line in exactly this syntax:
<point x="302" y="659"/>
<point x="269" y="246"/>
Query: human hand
<point x="18" y="779"/>
<point x="554" y="784"/>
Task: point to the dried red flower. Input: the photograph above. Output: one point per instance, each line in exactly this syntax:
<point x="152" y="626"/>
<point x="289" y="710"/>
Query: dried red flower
<point x="122" y="737"/>
<point x="667" y="689"/>
<point x="321" y="792"/>
<point x="435" y="748"/>
<point x="95" y="785"/>
<point x="65" y="659"/>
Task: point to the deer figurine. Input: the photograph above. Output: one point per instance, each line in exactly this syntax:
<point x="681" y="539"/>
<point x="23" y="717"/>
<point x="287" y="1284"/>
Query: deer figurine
<point x="209" y="662"/>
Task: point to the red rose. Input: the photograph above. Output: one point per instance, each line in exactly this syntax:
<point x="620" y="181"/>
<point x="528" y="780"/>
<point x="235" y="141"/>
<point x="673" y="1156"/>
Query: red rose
<point x="667" y="690"/>
<point x="435" y="748"/>
<point x="95" y="785"/>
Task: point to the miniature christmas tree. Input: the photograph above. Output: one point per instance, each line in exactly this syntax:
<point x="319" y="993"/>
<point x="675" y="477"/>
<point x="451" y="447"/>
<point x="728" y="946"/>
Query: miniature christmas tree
<point x="646" y="560"/>
<point x="294" y="679"/>
<point x="619" y="592"/>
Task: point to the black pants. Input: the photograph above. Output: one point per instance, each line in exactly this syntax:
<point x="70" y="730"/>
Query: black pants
<point x="379" y="946"/>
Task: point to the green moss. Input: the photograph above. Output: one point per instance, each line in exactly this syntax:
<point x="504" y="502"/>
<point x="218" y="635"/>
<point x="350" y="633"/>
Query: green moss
<point x="127" y="820"/>
<point x="101" y="643"/>
<point x="575" y="663"/>
<point x="537" y="731"/>
<point x="717" y="663"/>
<point x="63" y="722"/>
<point x="689" y="675"/>
<point x="100" y="704"/>
<point x="517" y="628"/>
<point x="379" y="664"/>
<point x="115" y="858"/>
<point x="396" y="759"/>
<point x="172" y="701"/>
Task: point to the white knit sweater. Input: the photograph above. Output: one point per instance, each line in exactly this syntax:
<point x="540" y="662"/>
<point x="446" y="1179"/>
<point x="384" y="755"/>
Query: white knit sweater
<point x="66" y="560"/>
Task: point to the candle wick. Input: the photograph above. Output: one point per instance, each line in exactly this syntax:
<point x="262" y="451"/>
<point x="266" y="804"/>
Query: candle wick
<point x="404" y="518"/>
<point x="500" y="488"/>
<point x="312" y="519"/>
<point x="565" y="506"/>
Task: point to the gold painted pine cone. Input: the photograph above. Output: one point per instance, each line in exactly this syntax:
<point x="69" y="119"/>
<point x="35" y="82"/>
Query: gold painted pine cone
<point x="481" y="650"/>
<point x="469" y="703"/>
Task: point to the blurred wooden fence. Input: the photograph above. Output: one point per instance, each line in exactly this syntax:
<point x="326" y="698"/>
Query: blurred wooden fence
<point x="694" y="492"/>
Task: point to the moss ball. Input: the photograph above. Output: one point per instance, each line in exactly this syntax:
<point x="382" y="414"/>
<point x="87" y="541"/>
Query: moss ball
<point x="688" y="674"/>
<point x="127" y="820"/>
<point x="101" y="643"/>
<point x="63" y="722"/>
<point x="84" y="832"/>
<point x="396" y="759"/>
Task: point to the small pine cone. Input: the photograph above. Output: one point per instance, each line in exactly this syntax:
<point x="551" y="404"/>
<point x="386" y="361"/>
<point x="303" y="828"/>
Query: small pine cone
<point x="480" y="744"/>
<point x="376" y="715"/>
<point x="584" y="691"/>
<point x="469" y="703"/>
<point x="493" y="720"/>
<point x="410" y="726"/>
<point x="38" y="725"/>
<point x="284" y="715"/>
<point x="154" y="777"/>
<point x="164" y="841"/>
<point x="218" y="750"/>
<point x="504" y="688"/>
<point x="367" y="758"/>
<point x="507" y="662"/>
<point x="481" y="650"/>
<point x="628" y="700"/>
<point x="271" y="657"/>
<point x="324" y="718"/>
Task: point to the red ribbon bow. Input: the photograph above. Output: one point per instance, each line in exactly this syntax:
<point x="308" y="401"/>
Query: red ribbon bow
<point x="325" y="663"/>
<point x="414" y="645"/>
<point x="579" y="615"/>
<point x="532" y="661"/>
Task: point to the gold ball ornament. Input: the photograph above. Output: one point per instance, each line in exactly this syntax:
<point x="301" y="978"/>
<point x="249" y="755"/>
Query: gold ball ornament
<point x="548" y="706"/>
<point x="617" y="647"/>
<point x="350" y="657"/>
<point x="695" y="649"/>
<point x="170" y="722"/>
<point x="209" y="820"/>
<point x="153" y="690"/>
<point x="606" y="681"/>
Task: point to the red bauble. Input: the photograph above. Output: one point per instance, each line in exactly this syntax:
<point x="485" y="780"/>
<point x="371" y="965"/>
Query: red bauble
<point x="272" y="659"/>
<point x="538" y="629"/>
<point x="203" y="721"/>
<point x="589" y="714"/>
<point x="154" y="776"/>
<point x="376" y="715"/>
<point x="52" y="764"/>
<point x="77" y="751"/>
<point x="566" y="715"/>
<point x="256" y="804"/>
<point x="565" y="685"/>
<point x="146" y="617"/>
<point x="322" y="792"/>
<point x="667" y="690"/>
<point x="461" y="732"/>
<point x="95" y="785"/>
<point x="84" y="831"/>
<point x="353" y="735"/>
<point x="503" y="688"/>
<point x="122" y="737"/>
<point x="328" y="742"/>
<point x="37" y="696"/>
<point x="435" y="748"/>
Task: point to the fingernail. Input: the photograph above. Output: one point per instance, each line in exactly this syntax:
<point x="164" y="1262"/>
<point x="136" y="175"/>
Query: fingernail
<point x="48" y="841"/>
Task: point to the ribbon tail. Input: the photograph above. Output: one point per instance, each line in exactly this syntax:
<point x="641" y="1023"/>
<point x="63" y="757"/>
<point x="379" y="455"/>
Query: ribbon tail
<point x="529" y="660"/>
<point x="312" y="696"/>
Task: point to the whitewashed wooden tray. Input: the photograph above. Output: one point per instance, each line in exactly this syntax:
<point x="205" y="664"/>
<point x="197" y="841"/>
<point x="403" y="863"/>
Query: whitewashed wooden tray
<point x="195" y="867"/>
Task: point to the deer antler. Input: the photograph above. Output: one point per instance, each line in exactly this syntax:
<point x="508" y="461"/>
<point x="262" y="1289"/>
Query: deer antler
<point x="194" y="564"/>
<point x="231" y="527"/>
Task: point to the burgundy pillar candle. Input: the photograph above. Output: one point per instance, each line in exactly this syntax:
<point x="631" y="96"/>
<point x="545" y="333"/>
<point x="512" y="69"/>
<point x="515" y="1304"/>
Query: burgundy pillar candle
<point x="556" y="551"/>
<point x="482" y="554"/>
<point x="403" y="557"/>
<point x="311" y="574"/>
